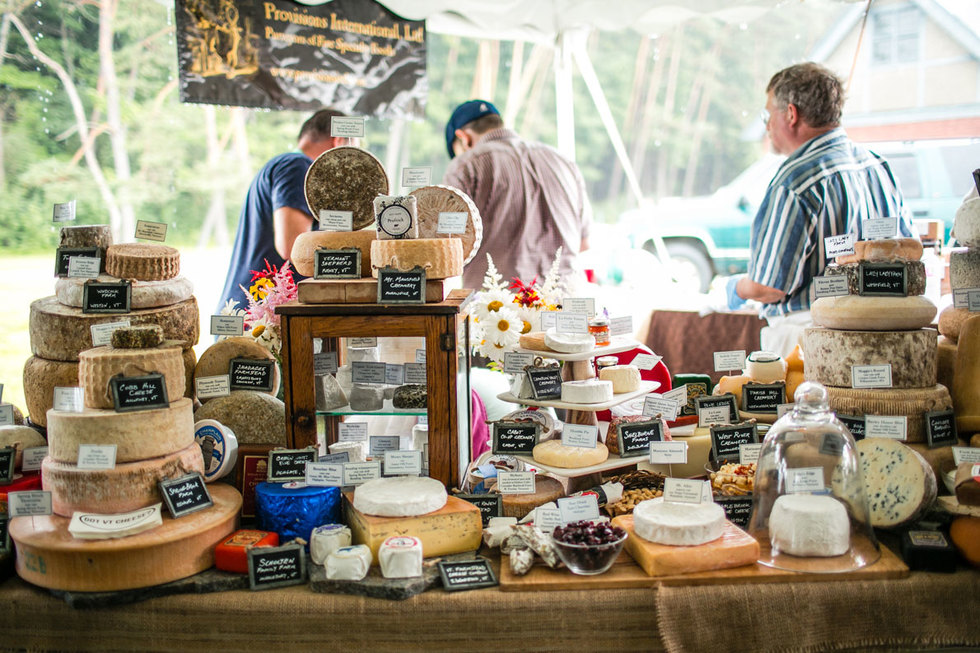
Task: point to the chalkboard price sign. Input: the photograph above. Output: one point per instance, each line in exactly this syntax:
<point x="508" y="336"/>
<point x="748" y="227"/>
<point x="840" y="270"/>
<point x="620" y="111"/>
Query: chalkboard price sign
<point x="186" y="494"/>
<point x="545" y="382"/>
<point x="276" y="566"/>
<point x="64" y="254"/>
<point x="289" y="464"/>
<point x="138" y="392"/>
<point x="515" y="437"/>
<point x="854" y="424"/>
<point x="725" y="440"/>
<point x="106" y="296"/>
<point x="401" y="286"/>
<point x="250" y="374"/>
<point x="635" y="437"/>
<point x="763" y="397"/>
<point x="738" y="510"/>
<point x="7" y="455"/>
<point x="941" y="428"/>
<point x="490" y="505"/>
<point x="337" y="263"/>
<point x="884" y="279"/>
<point x="711" y="401"/>
<point x="466" y="574"/>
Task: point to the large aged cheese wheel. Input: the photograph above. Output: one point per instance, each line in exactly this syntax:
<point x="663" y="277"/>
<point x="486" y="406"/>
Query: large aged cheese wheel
<point x="254" y="417"/>
<point x="216" y="359"/>
<point x="346" y="179"/>
<point x="19" y="437"/>
<point x="441" y="258"/>
<point x="98" y="365"/>
<point x="41" y="377"/>
<point x="142" y="261"/>
<point x="303" y="254"/>
<point x="964" y="268"/>
<point x="433" y="200"/>
<point x="144" y="294"/>
<point x="966" y="224"/>
<point x="830" y="355"/>
<point x="915" y="275"/>
<point x="857" y="313"/>
<point x="886" y="249"/>
<point x="911" y="403"/>
<point x="59" y="332"/>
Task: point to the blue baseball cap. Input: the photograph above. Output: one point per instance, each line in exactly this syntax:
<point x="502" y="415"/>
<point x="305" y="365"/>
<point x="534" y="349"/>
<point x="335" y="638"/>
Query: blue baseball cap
<point x="464" y="114"/>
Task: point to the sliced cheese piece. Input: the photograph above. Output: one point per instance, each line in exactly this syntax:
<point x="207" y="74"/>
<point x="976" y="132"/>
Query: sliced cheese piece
<point x="911" y="403"/>
<point x="568" y="343"/>
<point x="98" y="365"/>
<point x="678" y="524"/>
<point x="348" y="563"/>
<point x="951" y="322"/>
<point x="966" y="223"/>
<point x="586" y="391"/>
<point x="809" y="526"/>
<point x="624" y="378"/>
<point x="144" y="294"/>
<point x="765" y="367"/>
<point x="945" y="361"/>
<point x="885" y="249"/>
<point x="126" y="487"/>
<point x="733" y="385"/>
<point x="857" y="313"/>
<point x="216" y="360"/>
<point x="59" y="332"/>
<point x="255" y="417"/>
<point x="546" y="490"/>
<point x="86" y="235"/>
<point x="915" y="275"/>
<point x="401" y="557"/>
<point x="142" y="261"/>
<point x="400" y="496"/>
<point x="326" y="539"/>
<point x="137" y="435"/>
<point x="899" y="485"/>
<point x="41" y="377"/>
<point x="177" y="549"/>
<point x="534" y="341"/>
<point x="964" y="268"/>
<point x="346" y="179"/>
<point x="433" y="200"/>
<point x="556" y="454"/>
<point x="328" y="393"/>
<point x="441" y="258"/>
<point x="137" y="337"/>
<point x="830" y="355"/>
<point x="357" y="451"/>
<point x="303" y="255"/>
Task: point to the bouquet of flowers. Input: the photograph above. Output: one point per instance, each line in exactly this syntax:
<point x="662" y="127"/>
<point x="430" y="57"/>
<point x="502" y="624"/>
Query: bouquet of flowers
<point x="270" y="287"/>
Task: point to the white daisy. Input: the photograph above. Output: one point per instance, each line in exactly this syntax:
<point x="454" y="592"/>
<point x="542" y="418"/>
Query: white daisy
<point x="491" y="301"/>
<point x="504" y="328"/>
<point x="530" y="318"/>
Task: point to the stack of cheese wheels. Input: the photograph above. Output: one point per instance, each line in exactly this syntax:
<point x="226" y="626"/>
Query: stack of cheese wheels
<point x="60" y="329"/>
<point x="857" y="331"/>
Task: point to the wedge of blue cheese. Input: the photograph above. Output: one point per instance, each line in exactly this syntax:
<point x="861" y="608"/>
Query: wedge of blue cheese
<point x="898" y="482"/>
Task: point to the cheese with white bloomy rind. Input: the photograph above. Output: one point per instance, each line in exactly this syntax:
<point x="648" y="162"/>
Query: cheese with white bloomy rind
<point x="348" y="563"/>
<point x="433" y="200"/>
<point x="125" y="487"/>
<point x="951" y="322"/>
<point x="60" y="332"/>
<point x="568" y="343"/>
<point x="809" y="526"/>
<point x="441" y="258"/>
<point x="41" y="377"/>
<point x="765" y="367"/>
<point x="556" y="454"/>
<point x="678" y="524"/>
<point x="915" y="275"/>
<point x="899" y="485"/>
<point x="216" y="360"/>
<point x="401" y="557"/>
<point x="586" y="391"/>
<point x="964" y="268"/>
<point x="326" y="539"/>
<point x="400" y="496"/>
<point x="966" y="223"/>
<point x="255" y="417"/>
<point x="137" y="435"/>
<point x="624" y="378"/>
<point x="856" y="313"/>
<point x="910" y="403"/>
<point x="831" y="353"/>
<point x="303" y="255"/>
<point x="142" y="261"/>
<point x="357" y="450"/>
<point x="98" y="365"/>
<point x="884" y="249"/>
<point x="144" y="294"/>
<point x="346" y="179"/>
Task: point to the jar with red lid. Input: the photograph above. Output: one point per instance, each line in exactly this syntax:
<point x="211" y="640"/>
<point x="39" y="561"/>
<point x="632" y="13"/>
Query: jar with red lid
<point x="599" y="328"/>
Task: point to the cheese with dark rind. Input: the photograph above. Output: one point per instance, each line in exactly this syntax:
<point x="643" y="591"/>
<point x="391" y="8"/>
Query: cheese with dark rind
<point x="143" y="294"/>
<point x="857" y="313"/>
<point x="830" y="355"/>
<point x="254" y="417"/>
<point x="190" y="361"/>
<point x="137" y="435"/>
<point x="964" y="268"/>
<point x="41" y="377"/>
<point x="951" y="322"/>
<point x="142" y="261"/>
<point x="86" y="235"/>
<point x="965" y="533"/>
<point x="303" y="255"/>
<point x="216" y="360"/>
<point x="177" y="549"/>
<point x="899" y="485"/>
<point x="911" y="403"/>
<point x="127" y="486"/>
<point x="60" y="332"/>
<point x="433" y="200"/>
<point x="885" y="249"/>
<point x="98" y="365"/>
<point x="915" y="275"/>
<point x="346" y="179"/>
<point x="441" y="258"/>
<point x="137" y="337"/>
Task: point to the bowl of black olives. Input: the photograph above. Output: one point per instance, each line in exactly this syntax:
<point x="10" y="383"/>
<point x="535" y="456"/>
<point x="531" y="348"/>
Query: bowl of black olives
<point x="588" y="547"/>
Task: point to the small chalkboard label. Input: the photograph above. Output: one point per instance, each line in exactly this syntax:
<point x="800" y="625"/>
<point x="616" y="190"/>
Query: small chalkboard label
<point x="883" y="279"/>
<point x="711" y="401"/>
<point x="64" y="254"/>
<point x="854" y="424"/>
<point x="250" y="374"/>
<point x="186" y="494"/>
<point x="545" y="382"/>
<point x="635" y="437"/>
<point x="139" y="392"/>
<point x="738" y="510"/>
<point x="342" y="263"/>
<point x="4" y="534"/>
<point x="726" y="440"/>
<point x="7" y="455"/>
<point x="466" y="574"/>
<point x="490" y="505"/>
<point x="941" y="428"/>
<point x="515" y="437"/>
<point x="763" y="397"/>
<point x="106" y="296"/>
<point x="289" y="464"/>
<point x="401" y="286"/>
<point x="277" y="566"/>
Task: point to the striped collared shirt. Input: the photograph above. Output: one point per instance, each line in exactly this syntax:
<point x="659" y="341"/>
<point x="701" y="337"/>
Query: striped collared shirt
<point x="827" y="187"/>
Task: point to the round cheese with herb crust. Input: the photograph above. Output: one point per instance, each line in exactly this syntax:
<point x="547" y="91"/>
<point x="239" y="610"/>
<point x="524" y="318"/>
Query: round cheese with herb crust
<point x="346" y="179"/>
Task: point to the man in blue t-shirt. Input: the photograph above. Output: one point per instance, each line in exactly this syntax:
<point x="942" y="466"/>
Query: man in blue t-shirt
<point x="275" y="211"/>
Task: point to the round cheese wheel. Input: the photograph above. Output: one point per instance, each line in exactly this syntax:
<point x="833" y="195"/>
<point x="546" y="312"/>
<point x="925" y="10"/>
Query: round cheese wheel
<point x="41" y="377"/>
<point x="951" y="322"/>
<point x="400" y="496"/>
<point x="966" y="224"/>
<point x="556" y="454"/>
<point x="809" y="526"/>
<point x="346" y="179"/>
<point x="59" y="332"/>
<point x="765" y="367"/>
<point x="830" y="355"/>
<point x="546" y="489"/>
<point x="98" y="365"/>
<point x="127" y="486"/>
<point x="216" y="360"/>
<point x="303" y="254"/>
<point x="176" y="549"/>
<point x="915" y="275"/>
<point x="86" y="235"/>
<point x="586" y="391"/>
<point x="964" y="268"/>
<point x="219" y="446"/>
<point x="441" y="258"/>
<point x="911" y="403"/>
<point x="254" y="417"/>
<point x="145" y="294"/>
<point x="886" y="249"/>
<point x="172" y="430"/>
<point x="568" y="343"/>
<point x="433" y="200"/>
<point x="899" y="485"/>
<point x="142" y="261"/>
<point x="20" y="437"/>
<point x="857" y="313"/>
<point x="678" y="524"/>
<point x="965" y="533"/>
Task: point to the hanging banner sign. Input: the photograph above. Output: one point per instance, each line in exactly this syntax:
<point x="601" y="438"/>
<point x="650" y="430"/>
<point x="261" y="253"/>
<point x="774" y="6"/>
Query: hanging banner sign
<point x="351" y="55"/>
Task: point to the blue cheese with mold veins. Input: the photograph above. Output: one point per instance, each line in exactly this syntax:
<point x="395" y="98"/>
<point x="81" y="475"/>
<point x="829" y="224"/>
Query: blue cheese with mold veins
<point x="899" y="484"/>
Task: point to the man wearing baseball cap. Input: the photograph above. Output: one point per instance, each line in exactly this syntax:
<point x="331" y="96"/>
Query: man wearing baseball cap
<point x="531" y="198"/>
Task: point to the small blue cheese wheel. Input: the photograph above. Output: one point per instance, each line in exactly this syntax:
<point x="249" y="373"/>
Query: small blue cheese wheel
<point x="348" y="563"/>
<point x="219" y="446"/>
<point x="401" y="557"/>
<point x="326" y="539"/>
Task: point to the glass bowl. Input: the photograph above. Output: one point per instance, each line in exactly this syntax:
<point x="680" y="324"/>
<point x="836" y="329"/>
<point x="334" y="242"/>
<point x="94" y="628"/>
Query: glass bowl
<point x="589" y="559"/>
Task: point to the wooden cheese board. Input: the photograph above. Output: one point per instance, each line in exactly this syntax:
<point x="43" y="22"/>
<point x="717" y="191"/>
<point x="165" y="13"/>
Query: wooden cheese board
<point x="358" y="291"/>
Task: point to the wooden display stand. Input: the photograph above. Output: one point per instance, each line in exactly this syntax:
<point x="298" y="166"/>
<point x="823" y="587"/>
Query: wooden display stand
<point x="435" y="322"/>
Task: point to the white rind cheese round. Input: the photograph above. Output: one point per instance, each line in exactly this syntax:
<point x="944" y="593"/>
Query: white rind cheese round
<point x="678" y="524"/>
<point x="911" y="403"/>
<point x="830" y="355"/>
<point x="126" y="487"/>
<point x="41" y="377"/>
<point x="966" y="224"/>
<point x="433" y="200"/>
<point x="568" y="343"/>
<point x="400" y="496"/>
<point x="326" y="539"/>
<point x="441" y="258"/>
<point x="96" y="366"/>
<point x="885" y="249"/>
<point x="809" y="526"/>
<point x="303" y="255"/>
<point x="401" y="557"/>
<point x="899" y="484"/>
<point x="556" y="454"/>
<point x="142" y="261"/>
<point x="346" y="179"/>
<point x="349" y="563"/>
<point x="216" y="360"/>
<point x="951" y="322"/>
<point x="765" y="367"/>
<point x="586" y="391"/>
<point x="145" y="294"/>
<point x="964" y="268"/>
<point x="624" y="378"/>
<point x="60" y="332"/>
<point x="137" y="435"/>
<point x="857" y="313"/>
<point x="365" y="397"/>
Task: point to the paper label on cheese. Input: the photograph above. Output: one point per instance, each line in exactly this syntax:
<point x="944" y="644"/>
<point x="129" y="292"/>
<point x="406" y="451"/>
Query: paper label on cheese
<point x="208" y="387"/>
<point x="381" y="444"/>
<point x="359" y="473"/>
<point x="403" y="463"/>
<point x="103" y="526"/>
<point x="656" y="404"/>
<point x="147" y="230"/>
<point x="580" y="435"/>
<point x="516" y="361"/>
<point x="871" y="376"/>
<point x="749" y="453"/>
<point x="680" y="490"/>
<point x="347" y="126"/>
<point x="578" y="508"/>
<point x="227" y="325"/>
<point x="973" y="301"/>
<point x="415" y="373"/>
<point x="726" y="361"/>
<point x="801" y="480"/>
<point x="64" y="212"/>
<point x="621" y="326"/>
<point x="678" y="394"/>
<point x="714" y="415"/>
<point x="877" y="228"/>
<point x="325" y="363"/>
<point x="646" y="361"/>
<point x="102" y="333"/>
<point x="6" y="414"/>
<point x="394" y="374"/>
<point x="515" y="482"/>
<point x="579" y="305"/>
<point x="362" y="342"/>
<point x="549" y="320"/>
<point x="29" y="504"/>
<point x="417" y="176"/>
<point x="546" y="519"/>
<point x="420" y="356"/>
<point x="832" y="286"/>
<point x="840" y="245"/>
<point x="966" y="455"/>
<point x="352" y="432"/>
<point x="84" y="267"/>
<point x="96" y="456"/>
<point x="668" y="453"/>
<point x="33" y="457"/>
<point x="69" y="400"/>
<point x="568" y="322"/>
<point x="330" y="220"/>
<point x="886" y="426"/>
<point x="452" y="222"/>
<point x="368" y="372"/>
<point x="324" y="474"/>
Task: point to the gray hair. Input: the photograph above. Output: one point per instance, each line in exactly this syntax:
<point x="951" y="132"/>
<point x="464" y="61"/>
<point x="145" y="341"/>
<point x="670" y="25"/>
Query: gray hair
<point x="815" y="91"/>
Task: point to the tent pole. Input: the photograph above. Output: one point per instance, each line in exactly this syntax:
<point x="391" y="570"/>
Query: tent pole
<point x="564" y="101"/>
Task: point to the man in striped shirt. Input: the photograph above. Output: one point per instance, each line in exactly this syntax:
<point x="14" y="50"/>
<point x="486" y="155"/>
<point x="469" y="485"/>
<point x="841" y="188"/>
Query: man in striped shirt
<point x="531" y="198"/>
<point x="826" y="187"/>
